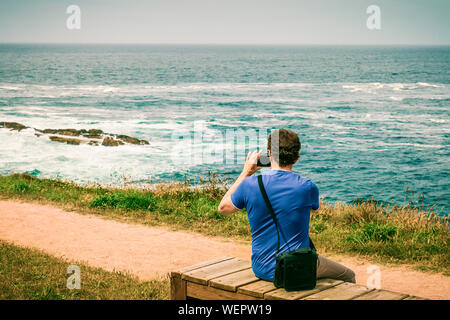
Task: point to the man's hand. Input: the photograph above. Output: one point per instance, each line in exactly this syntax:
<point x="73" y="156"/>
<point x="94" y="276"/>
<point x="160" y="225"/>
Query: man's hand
<point x="250" y="166"/>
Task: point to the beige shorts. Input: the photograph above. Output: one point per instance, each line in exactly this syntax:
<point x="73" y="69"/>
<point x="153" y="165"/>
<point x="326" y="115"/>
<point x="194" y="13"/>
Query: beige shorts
<point x="327" y="268"/>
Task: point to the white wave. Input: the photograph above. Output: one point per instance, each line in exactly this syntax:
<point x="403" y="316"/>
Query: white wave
<point x="143" y="89"/>
<point x="204" y="92"/>
<point x="375" y="87"/>
<point x="425" y="84"/>
<point x="7" y="87"/>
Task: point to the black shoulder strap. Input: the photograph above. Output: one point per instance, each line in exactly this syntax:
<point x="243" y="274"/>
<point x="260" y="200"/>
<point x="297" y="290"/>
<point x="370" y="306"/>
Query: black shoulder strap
<point x="269" y="206"/>
<point x="311" y="244"/>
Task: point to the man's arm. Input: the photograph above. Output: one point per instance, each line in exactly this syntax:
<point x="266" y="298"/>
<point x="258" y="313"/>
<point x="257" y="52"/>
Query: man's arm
<point x="226" y="207"/>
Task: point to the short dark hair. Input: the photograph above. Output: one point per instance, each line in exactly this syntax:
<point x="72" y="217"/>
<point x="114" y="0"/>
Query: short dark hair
<point x="289" y="146"/>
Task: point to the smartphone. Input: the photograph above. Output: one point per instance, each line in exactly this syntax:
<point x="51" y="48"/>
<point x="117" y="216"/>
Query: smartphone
<point x="263" y="161"/>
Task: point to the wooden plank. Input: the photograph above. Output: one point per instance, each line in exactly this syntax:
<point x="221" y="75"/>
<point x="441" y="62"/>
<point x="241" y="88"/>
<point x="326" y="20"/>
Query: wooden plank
<point x="202" y="264"/>
<point x="177" y="287"/>
<point x="257" y="289"/>
<point x="204" y="274"/>
<point x="281" y="294"/>
<point x="202" y="292"/>
<point x="343" y="291"/>
<point x="382" y="295"/>
<point x="234" y="280"/>
<point x="415" y="298"/>
<point x="229" y="278"/>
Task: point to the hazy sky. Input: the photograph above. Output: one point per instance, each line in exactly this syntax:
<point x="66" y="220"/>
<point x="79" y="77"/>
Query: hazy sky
<point x="226" y="21"/>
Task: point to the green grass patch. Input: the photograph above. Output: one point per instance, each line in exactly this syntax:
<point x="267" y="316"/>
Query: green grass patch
<point x="388" y="232"/>
<point x="127" y="199"/>
<point x="32" y="275"/>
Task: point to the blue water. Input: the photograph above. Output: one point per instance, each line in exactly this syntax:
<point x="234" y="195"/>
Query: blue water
<point x="372" y="120"/>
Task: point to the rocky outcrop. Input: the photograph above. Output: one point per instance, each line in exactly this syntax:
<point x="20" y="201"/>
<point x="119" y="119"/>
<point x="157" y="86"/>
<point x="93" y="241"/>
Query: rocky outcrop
<point x="66" y="140"/>
<point x="131" y="139"/>
<point x="111" y="142"/>
<point x="92" y="133"/>
<point x="64" y="132"/>
<point x="93" y="137"/>
<point x="12" y="126"/>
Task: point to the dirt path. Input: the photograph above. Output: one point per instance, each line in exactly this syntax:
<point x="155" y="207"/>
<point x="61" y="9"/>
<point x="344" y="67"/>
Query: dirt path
<point x="152" y="252"/>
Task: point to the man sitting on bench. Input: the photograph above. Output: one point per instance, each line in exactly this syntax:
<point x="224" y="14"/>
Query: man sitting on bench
<point x="292" y="198"/>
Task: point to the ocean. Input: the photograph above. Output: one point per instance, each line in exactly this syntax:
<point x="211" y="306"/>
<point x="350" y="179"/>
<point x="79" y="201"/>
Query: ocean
<point x="372" y="120"/>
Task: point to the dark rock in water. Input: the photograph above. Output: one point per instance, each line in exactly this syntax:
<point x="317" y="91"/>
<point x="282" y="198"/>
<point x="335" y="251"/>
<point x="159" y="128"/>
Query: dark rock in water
<point x="65" y="136"/>
<point x="95" y="131"/>
<point x="92" y="136"/>
<point x="92" y="133"/>
<point x="64" y="132"/>
<point x="69" y="132"/>
<point x="66" y="140"/>
<point x="12" y="125"/>
<point x="131" y="139"/>
<point x="111" y="142"/>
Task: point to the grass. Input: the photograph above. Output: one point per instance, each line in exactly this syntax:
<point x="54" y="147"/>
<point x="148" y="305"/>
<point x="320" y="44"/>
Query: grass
<point x="32" y="275"/>
<point x="390" y="233"/>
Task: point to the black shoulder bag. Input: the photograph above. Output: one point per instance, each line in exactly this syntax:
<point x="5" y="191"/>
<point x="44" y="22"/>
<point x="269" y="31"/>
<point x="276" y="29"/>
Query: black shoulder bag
<point x="295" y="270"/>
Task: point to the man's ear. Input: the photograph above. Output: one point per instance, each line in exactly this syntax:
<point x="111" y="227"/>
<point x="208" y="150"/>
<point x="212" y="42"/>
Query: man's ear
<point x="298" y="157"/>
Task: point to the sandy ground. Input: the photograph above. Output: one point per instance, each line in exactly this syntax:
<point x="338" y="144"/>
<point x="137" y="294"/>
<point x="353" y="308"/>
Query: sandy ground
<point x="152" y="252"/>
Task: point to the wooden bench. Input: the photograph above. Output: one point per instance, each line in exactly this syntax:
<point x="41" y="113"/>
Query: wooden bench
<point x="229" y="278"/>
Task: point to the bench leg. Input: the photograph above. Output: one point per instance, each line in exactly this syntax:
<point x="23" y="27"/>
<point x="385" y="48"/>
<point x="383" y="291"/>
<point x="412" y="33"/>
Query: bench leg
<point x="177" y="287"/>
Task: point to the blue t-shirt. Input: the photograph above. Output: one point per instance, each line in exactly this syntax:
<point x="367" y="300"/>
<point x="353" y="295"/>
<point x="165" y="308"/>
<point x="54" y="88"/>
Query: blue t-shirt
<point x="292" y="199"/>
